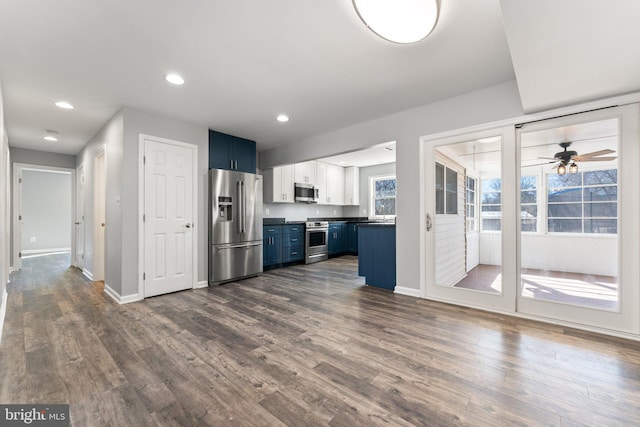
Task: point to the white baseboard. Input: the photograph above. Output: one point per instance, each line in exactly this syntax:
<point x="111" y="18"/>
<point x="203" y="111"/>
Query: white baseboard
<point x="86" y="273"/>
<point x="120" y="299"/>
<point x="201" y="284"/>
<point x="412" y="292"/>
<point x="3" y="311"/>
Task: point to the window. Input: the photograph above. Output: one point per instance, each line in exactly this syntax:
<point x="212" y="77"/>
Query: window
<point x="383" y="199"/>
<point x="528" y="203"/>
<point x="470" y="203"/>
<point x="491" y="194"/>
<point x="446" y="190"/>
<point x="492" y="200"/>
<point x="584" y="202"/>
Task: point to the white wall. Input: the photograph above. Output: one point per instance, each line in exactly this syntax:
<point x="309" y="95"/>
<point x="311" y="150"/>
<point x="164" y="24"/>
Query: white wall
<point x="46" y="211"/>
<point x="488" y="105"/>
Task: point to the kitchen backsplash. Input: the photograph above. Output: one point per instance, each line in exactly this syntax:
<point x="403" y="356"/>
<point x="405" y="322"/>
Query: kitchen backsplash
<point x="301" y="211"/>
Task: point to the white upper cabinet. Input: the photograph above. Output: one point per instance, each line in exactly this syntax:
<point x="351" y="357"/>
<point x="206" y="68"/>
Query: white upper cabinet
<point x="352" y="186"/>
<point x="278" y="185"/>
<point x="330" y="184"/>
<point x="305" y="172"/>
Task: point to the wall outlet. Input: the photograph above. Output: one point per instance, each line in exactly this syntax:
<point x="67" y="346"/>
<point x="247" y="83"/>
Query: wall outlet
<point x="32" y="240"/>
<point x="364" y="212"/>
<point x="335" y="212"/>
<point x="317" y="211"/>
<point x="266" y="211"/>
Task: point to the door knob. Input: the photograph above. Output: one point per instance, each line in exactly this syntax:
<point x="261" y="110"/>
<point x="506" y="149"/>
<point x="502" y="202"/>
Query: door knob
<point x="188" y="225"/>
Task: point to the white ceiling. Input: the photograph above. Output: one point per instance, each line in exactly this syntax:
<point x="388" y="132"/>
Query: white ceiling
<point x="375" y="155"/>
<point x="246" y="61"/>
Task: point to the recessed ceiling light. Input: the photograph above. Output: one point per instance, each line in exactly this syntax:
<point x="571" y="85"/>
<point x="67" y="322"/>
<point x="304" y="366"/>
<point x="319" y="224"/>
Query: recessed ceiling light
<point x="51" y="135"/>
<point x="174" y="79"/>
<point x="283" y="118"/>
<point x="342" y="162"/>
<point x="65" y="105"/>
<point x="400" y="21"/>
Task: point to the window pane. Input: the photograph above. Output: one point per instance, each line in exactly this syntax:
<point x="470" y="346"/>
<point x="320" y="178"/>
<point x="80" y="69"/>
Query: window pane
<point x="566" y="210"/>
<point x="491" y="224"/>
<point x="491" y="198"/>
<point x="566" y="195"/>
<point x="528" y="211"/>
<point x="471" y="211"/>
<point x="567" y="180"/>
<point x="452" y="203"/>
<point x="527" y="182"/>
<point x="604" y="226"/>
<point x="439" y="201"/>
<point x="385" y="188"/>
<point x="439" y="176"/>
<point x="471" y="183"/>
<point x="600" y="193"/>
<point x="385" y="207"/>
<point x="451" y="181"/>
<point x="601" y="177"/>
<point x="470" y="196"/>
<point x="491" y="208"/>
<point x="491" y="185"/>
<point x="601" y="209"/>
<point x="565" y="226"/>
<point x="528" y="196"/>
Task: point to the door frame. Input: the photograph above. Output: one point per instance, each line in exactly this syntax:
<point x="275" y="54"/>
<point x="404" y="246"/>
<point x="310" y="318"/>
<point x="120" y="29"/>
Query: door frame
<point x="16" y="204"/>
<point x="141" y="205"/>
<point x="79" y="205"/>
<point x="99" y="183"/>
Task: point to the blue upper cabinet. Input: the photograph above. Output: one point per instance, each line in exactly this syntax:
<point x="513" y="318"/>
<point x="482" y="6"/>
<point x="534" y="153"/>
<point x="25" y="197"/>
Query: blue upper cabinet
<point x="232" y="153"/>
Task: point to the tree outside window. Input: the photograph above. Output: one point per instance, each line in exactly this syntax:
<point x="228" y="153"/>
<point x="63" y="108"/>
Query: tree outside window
<point x="383" y="190"/>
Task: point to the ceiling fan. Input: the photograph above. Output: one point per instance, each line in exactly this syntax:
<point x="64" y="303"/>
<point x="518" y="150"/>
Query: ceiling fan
<point x="568" y="158"/>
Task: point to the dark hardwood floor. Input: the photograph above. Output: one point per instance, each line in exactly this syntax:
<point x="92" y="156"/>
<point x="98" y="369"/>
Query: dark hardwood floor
<point x="300" y="346"/>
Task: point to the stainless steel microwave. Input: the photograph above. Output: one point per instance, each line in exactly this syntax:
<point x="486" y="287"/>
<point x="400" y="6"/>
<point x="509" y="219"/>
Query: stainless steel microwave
<point x="305" y="193"/>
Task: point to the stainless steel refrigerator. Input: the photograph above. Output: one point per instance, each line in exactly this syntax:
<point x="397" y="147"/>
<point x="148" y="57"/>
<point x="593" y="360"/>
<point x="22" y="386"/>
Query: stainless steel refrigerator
<point x="235" y="226"/>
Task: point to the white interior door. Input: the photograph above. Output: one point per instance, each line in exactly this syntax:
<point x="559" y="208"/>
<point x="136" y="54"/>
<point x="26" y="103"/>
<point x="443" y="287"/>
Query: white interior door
<point x="169" y="213"/>
<point x="100" y="214"/>
<point x="470" y="237"/>
<point x="79" y="218"/>
<point x="580" y="264"/>
<point x="17" y="217"/>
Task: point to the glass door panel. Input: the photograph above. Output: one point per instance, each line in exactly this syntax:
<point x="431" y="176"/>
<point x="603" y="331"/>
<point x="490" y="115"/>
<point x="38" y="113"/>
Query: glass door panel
<point x="574" y="236"/>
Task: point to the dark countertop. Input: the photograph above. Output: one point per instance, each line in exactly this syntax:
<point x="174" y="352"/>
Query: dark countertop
<point x="279" y="221"/>
<point x="378" y="224"/>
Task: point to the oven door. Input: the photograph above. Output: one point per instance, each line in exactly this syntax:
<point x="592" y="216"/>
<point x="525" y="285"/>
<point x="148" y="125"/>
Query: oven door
<point x="317" y="248"/>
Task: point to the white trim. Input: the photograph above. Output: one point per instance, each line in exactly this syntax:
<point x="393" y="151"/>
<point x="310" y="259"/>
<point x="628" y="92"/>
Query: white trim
<point x="86" y="273"/>
<point x="18" y="168"/>
<point x="3" y="311"/>
<point x="141" y="236"/>
<point x="120" y="299"/>
<point x="201" y="284"/>
<point x="44" y="251"/>
<point x="412" y="292"/>
<point x="101" y="152"/>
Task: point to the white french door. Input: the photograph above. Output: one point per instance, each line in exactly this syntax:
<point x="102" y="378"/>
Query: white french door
<point x="579" y="262"/>
<point x="540" y="219"/>
<point x="169" y="212"/>
<point x="463" y="243"/>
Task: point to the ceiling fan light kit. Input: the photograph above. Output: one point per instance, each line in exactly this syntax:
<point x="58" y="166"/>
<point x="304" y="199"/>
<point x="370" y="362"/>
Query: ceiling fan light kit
<point x="566" y="161"/>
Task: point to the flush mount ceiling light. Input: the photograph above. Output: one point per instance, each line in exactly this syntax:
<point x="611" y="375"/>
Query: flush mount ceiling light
<point x="64" y="104"/>
<point x="399" y="21"/>
<point x="282" y="118"/>
<point x="51" y="135"/>
<point x="174" y="79"/>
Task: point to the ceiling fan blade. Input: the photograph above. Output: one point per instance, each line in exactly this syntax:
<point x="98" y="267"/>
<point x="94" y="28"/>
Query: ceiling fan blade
<point x="548" y="158"/>
<point x="594" y="159"/>
<point x="556" y="165"/>
<point x="537" y="164"/>
<point x="581" y="157"/>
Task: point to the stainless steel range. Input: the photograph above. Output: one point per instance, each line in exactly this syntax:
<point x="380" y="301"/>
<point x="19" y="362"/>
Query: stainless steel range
<point x="316" y="241"/>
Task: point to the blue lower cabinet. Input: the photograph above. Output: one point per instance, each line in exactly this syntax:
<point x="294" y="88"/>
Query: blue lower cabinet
<point x="292" y="243"/>
<point x="377" y="255"/>
<point x="271" y="245"/>
<point x="336" y="238"/>
<point x="351" y="240"/>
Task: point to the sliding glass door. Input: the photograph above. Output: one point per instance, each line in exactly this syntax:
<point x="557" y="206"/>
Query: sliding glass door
<point x="579" y="219"/>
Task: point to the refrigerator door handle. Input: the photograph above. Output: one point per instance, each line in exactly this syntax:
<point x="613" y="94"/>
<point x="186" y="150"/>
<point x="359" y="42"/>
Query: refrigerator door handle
<point x="240" y="213"/>
<point x="239" y="245"/>
<point x="244" y="207"/>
